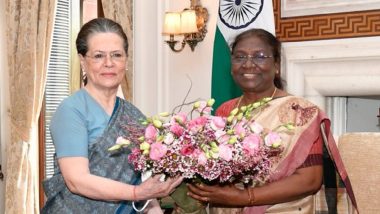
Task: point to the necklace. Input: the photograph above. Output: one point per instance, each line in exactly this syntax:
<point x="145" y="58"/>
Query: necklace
<point x="241" y="97"/>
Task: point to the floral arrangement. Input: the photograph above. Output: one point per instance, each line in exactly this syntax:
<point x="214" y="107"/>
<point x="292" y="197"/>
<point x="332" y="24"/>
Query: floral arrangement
<point x="211" y="148"/>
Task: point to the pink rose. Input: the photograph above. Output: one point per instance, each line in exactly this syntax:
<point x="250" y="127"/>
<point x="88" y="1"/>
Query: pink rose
<point x="150" y="133"/>
<point x="187" y="150"/>
<point x="251" y="143"/>
<point x="200" y="155"/>
<point x="272" y="139"/>
<point x="225" y="152"/>
<point x="176" y="129"/>
<point x="179" y="118"/>
<point x="157" y="151"/>
<point x="239" y="129"/>
<point x="201" y="120"/>
<point x="219" y="133"/>
<point x="204" y="108"/>
<point x="197" y="124"/>
<point x="256" y="127"/>
<point x="218" y="123"/>
<point x="223" y="138"/>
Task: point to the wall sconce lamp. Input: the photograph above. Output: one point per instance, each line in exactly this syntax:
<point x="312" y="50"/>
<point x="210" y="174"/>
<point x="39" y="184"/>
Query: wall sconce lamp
<point x="191" y="23"/>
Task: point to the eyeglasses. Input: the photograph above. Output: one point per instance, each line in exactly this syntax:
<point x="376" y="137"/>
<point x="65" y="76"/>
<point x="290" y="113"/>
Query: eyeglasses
<point x="102" y="56"/>
<point x="257" y="59"/>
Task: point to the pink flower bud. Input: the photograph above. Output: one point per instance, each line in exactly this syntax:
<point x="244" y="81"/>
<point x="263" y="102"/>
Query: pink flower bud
<point x="176" y="129"/>
<point x="150" y="133"/>
<point x="272" y="138"/>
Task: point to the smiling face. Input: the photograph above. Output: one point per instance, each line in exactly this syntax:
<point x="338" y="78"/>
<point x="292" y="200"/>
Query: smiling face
<point x="105" y="61"/>
<point x="251" y="77"/>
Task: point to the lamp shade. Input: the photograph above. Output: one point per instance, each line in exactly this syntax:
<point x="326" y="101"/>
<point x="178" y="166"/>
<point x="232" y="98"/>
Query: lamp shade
<point x="172" y="23"/>
<point x="188" y="21"/>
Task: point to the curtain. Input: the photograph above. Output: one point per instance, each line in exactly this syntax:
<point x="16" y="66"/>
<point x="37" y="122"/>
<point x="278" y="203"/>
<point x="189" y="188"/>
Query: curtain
<point x="29" y="27"/>
<point x="122" y="12"/>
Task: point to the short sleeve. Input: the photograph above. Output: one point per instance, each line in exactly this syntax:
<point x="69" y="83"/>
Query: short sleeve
<point x="69" y="132"/>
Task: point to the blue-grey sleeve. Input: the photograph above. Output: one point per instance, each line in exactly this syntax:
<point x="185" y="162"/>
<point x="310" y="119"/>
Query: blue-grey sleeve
<point x="69" y="132"/>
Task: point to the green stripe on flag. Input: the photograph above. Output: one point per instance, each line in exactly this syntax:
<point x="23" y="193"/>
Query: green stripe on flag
<point x="223" y="87"/>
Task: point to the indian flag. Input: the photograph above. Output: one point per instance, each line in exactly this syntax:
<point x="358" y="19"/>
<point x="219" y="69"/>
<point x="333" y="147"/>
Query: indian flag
<point x="234" y="17"/>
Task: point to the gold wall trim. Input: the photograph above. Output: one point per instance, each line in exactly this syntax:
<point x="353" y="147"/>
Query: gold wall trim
<point x="326" y="26"/>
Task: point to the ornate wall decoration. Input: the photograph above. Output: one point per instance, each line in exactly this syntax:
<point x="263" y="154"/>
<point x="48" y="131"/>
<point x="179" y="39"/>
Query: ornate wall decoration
<point x="326" y="26"/>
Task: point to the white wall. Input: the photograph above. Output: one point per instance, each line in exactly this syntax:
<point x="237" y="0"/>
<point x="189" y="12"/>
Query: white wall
<point x="160" y="74"/>
<point x="4" y="100"/>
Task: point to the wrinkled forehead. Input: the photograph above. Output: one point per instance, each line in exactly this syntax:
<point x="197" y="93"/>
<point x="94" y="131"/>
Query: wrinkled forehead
<point x="105" y="41"/>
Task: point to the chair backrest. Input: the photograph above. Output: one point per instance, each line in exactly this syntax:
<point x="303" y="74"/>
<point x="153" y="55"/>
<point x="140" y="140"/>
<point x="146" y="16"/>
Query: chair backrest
<point x="361" y="156"/>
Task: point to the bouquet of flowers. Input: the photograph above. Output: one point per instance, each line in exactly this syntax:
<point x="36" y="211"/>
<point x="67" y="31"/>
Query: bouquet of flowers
<point x="209" y="148"/>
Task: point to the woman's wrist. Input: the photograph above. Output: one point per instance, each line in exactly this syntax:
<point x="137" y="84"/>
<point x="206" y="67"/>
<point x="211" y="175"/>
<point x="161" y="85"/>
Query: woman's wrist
<point x="134" y="196"/>
<point x="251" y="196"/>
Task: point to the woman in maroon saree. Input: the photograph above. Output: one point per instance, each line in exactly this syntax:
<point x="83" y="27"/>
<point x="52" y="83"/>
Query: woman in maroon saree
<point x="304" y="180"/>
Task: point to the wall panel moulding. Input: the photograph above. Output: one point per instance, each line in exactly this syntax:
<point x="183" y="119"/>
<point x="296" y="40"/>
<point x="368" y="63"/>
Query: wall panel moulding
<point x="335" y="25"/>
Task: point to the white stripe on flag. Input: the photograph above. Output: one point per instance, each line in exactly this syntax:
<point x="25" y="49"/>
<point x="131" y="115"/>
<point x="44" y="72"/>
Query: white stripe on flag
<point x="234" y="17"/>
<point x="245" y="12"/>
